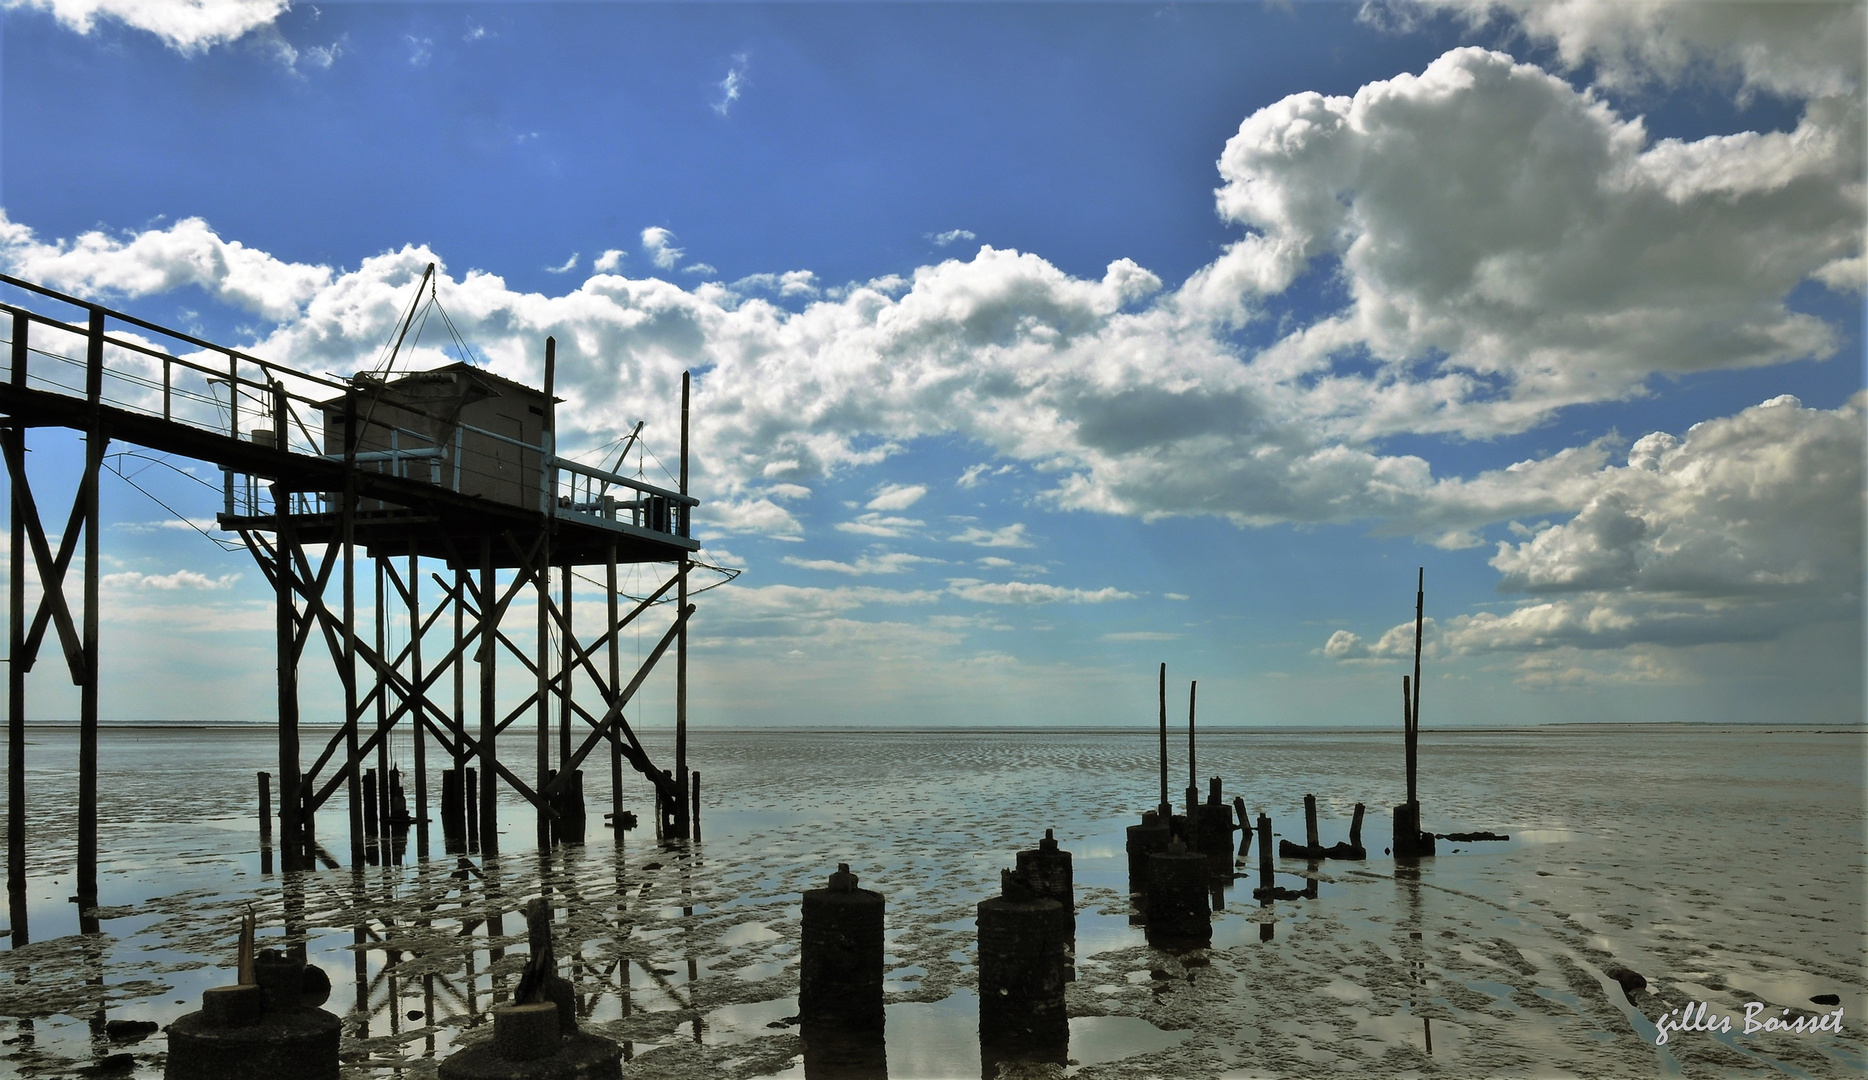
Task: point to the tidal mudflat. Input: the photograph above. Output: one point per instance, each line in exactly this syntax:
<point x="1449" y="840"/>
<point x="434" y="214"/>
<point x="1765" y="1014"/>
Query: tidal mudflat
<point x="1725" y="864"/>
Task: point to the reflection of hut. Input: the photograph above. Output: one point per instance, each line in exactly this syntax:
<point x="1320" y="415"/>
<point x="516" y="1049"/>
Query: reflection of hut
<point x="458" y="426"/>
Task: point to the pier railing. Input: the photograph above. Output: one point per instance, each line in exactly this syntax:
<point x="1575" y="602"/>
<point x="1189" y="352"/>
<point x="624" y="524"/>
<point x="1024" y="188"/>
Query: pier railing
<point x="108" y="357"/>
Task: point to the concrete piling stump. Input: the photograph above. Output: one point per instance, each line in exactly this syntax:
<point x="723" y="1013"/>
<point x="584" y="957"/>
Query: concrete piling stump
<point x="1215" y="830"/>
<point x="1047" y="868"/>
<point x="1022" y="965"/>
<point x="1179" y="910"/>
<point x="840" y="954"/>
<point x="256" y="1031"/>
<point x="1144" y="840"/>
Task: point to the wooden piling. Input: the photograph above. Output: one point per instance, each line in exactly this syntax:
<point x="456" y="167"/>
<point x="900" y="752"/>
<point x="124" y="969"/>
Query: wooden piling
<point x="470" y="788"/>
<point x="694" y="796"/>
<point x="1166" y="809"/>
<point x="1267" y="876"/>
<point x="681" y="641"/>
<point x="489" y="719"/>
<point x="383" y="816"/>
<point x="1310" y="823"/>
<point x="616" y="680"/>
<point x="372" y="800"/>
<point x="1413" y="717"/>
<point x="420" y="711"/>
<point x="1355" y="828"/>
<point x="1245" y="826"/>
<point x="453" y="821"/>
<point x="1193" y="774"/>
<point x="542" y="663"/>
<point x="348" y="665"/>
<point x="265" y="809"/>
<point x="94" y="444"/>
<point x="13" y="438"/>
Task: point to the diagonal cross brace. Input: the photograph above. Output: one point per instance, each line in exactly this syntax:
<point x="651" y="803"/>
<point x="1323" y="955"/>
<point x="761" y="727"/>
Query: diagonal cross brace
<point x="615" y="713"/>
<point x="52" y="605"/>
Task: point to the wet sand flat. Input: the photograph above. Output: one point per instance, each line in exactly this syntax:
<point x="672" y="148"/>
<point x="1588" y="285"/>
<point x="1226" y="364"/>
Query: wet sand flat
<point x="1725" y="864"/>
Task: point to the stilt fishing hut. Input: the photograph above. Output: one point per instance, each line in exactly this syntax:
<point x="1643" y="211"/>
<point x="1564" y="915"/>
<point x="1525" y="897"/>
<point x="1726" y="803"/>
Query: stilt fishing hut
<point x="452" y="475"/>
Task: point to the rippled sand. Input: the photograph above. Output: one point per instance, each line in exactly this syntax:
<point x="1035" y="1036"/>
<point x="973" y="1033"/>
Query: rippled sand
<point x="1725" y="865"/>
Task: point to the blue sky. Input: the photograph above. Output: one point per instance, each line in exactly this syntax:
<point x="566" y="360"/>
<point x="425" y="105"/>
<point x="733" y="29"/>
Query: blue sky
<point x="1037" y="344"/>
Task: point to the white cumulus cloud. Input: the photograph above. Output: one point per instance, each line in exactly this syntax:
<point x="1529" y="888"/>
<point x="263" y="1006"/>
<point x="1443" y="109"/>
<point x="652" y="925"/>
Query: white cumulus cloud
<point x="188" y="26"/>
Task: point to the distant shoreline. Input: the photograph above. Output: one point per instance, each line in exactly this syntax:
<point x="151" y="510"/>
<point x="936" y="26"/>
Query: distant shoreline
<point x="832" y="729"/>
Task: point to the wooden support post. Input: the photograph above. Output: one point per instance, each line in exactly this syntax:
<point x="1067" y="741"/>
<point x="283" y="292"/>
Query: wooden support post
<point x="489" y="720"/>
<point x="415" y="659"/>
<point x="460" y="664"/>
<point x="1267" y="877"/>
<point x="1310" y="823"/>
<point x="265" y="809"/>
<point x="542" y="650"/>
<point x="348" y="672"/>
<point x="372" y="824"/>
<point x="1245" y="826"/>
<point x="681" y="644"/>
<point x="694" y="796"/>
<point x="616" y="679"/>
<point x="14" y="438"/>
<point x="470" y="786"/>
<point x="1165" y="809"/>
<point x="1413" y="729"/>
<point x="95" y="442"/>
<point x="1355" y="828"/>
<point x="1193" y="782"/>
<point x="286" y="645"/>
<point x="567" y="672"/>
<point x="383" y="815"/>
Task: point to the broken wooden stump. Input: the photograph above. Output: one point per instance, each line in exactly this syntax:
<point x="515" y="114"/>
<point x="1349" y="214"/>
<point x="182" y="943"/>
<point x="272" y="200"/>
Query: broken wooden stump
<point x="261" y="1028"/>
<point x="535" y="1036"/>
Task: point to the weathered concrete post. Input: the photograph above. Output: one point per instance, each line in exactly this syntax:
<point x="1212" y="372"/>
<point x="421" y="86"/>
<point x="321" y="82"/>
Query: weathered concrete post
<point x="840" y="955"/>
<point x="1215" y="831"/>
<point x="1022" y="964"/>
<point x="1179" y="911"/>
<point x="267" y="1027"/>
<point x="1047" y="868"/>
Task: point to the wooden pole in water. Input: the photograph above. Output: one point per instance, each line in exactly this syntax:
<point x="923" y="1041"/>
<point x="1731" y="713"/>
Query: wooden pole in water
<point x="1355" y="828"/>
<point x="1166" y="808"/>
<point x="94" y="443"/>
<point x="616" y="675"/>
<point x="415" y="660"/>
<point x="489" y="730"/>
<point x="1413" y="736"/>
<point x="1266" y="876"/>
<point x="679" y="514"/>
<point x="354" y="781"/>
<point x="694" y="796"/>
<point x="542" y="648"/>
<point x="265" y="809"/>
<point x="1310" y="823"/>
<point x="567" y="670"/>
<point x="542" y="657"/>
<point x="1193" y="771"/>
<point x="15" y="442"/>
<point x="1407" y="733"/>
<point x="382" y="699"/>
<point x="285" y="605"/>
